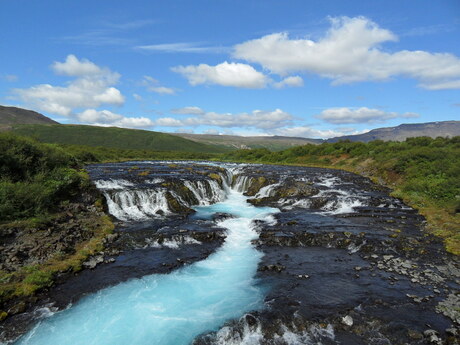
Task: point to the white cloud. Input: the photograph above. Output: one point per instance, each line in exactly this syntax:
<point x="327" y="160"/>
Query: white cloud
<point x="92" y="87"/>
<point x="137" y="97"/>
<point x="162" y="90"/>
<point x="153" y="85"/>
<point x="256" y="119"/>
<point x="306" y="132"/>
<point x="292" y="81"/>
<point x="188" y="111"/>
<point x="74" y="67"/>
<point x="225" y="74"/>
<point x="360" y="115"/>
<point x="169" y="122"/>
<point x="351" y="52"/>
<point x="107" y="118"/>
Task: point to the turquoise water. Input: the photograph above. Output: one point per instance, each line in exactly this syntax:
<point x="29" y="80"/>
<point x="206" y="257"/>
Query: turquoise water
<point x="173" y="308"/>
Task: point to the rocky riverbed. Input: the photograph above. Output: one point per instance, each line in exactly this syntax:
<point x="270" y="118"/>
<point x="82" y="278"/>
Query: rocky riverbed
<point x="343" y="263"/>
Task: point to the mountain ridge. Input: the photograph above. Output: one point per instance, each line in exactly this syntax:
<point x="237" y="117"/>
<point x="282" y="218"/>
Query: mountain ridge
<point x="406" y="130"/>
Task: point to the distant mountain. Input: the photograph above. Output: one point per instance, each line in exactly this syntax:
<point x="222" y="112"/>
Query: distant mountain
<point x="404" y="131"/>
<point x="275" y="143"/>
<point x="121" y="138"/>
<point x="13" y="116"/>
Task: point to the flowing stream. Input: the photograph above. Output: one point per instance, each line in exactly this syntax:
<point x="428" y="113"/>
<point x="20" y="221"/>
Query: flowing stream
<point x="171" y="308"/>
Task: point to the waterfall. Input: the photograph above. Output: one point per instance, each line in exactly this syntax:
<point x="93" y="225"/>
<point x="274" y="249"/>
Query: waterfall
<point x="242" y="183"/>
<point x="206" y="192"/>
<point x="137" y="204"/>
<point x="128" y="202"/>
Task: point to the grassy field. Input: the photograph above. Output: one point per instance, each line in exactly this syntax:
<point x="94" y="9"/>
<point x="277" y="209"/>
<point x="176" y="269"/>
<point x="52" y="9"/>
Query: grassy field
<point x="113" y="137"/>
<point x="424" y="172"/>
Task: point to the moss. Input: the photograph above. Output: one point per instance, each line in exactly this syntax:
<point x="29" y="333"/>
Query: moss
<point x="256" y="184"/>
<point x="3" y="315"/>
<point x="216" y="177"/>
<point x="175" y="206"/>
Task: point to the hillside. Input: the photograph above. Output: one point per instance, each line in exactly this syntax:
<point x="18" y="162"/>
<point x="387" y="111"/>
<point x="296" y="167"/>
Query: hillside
<point x="404" y="131"/>
<point x="275" y="143"/>
<point x="112" y="137"/>
<point x="12" y="116"/>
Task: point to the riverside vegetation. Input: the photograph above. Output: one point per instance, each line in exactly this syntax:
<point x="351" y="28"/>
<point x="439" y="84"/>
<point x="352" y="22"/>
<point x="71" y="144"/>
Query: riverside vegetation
<point x="43" y="187"/>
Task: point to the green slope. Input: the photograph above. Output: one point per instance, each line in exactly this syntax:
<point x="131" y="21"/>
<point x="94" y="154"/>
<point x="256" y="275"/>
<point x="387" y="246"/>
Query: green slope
<point x="113" y="137"/>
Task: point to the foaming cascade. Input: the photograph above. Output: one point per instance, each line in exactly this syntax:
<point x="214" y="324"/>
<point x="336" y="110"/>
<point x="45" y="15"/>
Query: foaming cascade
<point x="173" y="308"/>
<point x="128" y="202"/>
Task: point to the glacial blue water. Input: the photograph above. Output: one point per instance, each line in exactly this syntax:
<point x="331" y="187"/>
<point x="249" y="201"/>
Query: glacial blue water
<point x="172" y="308"/>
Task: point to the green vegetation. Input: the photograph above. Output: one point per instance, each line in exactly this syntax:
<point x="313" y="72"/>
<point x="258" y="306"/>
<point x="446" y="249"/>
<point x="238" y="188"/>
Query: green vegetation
<point x="113" y="137"/>
<point x="424" y="172"/>
<point x="34" y="178"/>
<point x="88" y="154"/>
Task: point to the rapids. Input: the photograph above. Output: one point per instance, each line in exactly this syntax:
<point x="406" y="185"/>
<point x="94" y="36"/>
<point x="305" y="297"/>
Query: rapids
<point x="172" y="308"/>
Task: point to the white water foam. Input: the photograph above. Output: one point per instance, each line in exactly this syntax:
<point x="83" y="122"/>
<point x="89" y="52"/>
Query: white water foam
<point x="113" y="184"/>
<point x="173" y="243"/>
<point x="267" y="191"/>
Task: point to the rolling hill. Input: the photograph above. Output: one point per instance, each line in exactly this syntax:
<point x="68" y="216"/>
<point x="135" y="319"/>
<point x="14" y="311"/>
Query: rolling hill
<point x="114" y="137"/>
<point x="274" y="143"/>
<point x="401" y="132"/>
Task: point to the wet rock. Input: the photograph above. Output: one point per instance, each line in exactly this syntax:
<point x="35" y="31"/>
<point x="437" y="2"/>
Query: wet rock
<point x="450" y="307"/>
<point x="17" y="308"/>
<point x="432" y="336"/>
<point x="347" y="320"/>
<point x="93" y="262"/>
<point x="219" y="216"/>
<point x="275" y="268"/>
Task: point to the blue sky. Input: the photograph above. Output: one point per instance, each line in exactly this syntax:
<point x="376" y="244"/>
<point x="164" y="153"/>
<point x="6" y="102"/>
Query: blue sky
<point x="298" y="68"/>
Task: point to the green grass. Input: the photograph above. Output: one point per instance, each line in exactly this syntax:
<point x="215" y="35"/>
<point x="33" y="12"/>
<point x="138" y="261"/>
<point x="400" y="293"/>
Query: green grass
<point x="112" y="137"/>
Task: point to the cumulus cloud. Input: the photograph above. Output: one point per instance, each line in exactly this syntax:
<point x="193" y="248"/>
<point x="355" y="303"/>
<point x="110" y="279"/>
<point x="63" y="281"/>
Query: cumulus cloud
<point x="361" y="115"/>
<point x="74" y="67"/>
<point x="351" y="52"/>
<point x="92" y="87"/>
<point x="292" y="81"/>
<point x="256" y="119"/>
<point x="153" y="85"/>
<point x="225" y="74"/>
<point x="108" y="118"/>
